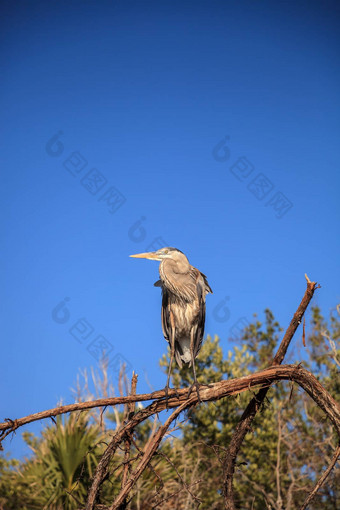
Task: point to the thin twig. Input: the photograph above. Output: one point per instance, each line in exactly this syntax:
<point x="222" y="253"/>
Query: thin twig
<point x="130" y="407"/>
<point x="322" y="479"/>
<point x="278" y="460"/>
<point x="129" y="412"/>
<point x="185" y="485"/>
<point x="175" y="493"/>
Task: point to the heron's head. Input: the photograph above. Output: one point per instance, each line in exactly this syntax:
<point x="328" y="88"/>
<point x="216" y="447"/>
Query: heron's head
<point x="163" y="253"/>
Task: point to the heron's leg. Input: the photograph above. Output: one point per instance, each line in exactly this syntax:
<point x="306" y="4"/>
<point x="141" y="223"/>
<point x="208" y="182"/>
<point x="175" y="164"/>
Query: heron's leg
<point x="195" y="384"/>
<point x="172" y="354"/>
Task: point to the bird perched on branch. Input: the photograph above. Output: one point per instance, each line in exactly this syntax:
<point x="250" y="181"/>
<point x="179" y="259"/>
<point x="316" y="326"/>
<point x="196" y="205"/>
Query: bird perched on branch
<point x="183" y="306"/>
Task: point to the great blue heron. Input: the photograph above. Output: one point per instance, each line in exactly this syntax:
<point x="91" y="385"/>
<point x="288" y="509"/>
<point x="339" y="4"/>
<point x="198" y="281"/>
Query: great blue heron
<point x="183" y="306"/>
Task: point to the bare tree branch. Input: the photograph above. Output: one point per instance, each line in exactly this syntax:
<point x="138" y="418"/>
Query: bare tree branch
<point x="254" y="405"/>
<point x="215" y="391"/>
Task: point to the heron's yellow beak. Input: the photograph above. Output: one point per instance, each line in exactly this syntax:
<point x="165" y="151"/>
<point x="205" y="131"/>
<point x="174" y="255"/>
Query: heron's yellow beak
<point x="148" y="255"/>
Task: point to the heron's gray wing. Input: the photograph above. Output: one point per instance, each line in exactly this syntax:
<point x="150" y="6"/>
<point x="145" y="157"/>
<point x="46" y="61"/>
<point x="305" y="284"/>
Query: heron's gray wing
<point x="165" y="310"/>
<point x="207" y="286"/>
<point x="166" y="324"/>
<point x="201" y="292"/>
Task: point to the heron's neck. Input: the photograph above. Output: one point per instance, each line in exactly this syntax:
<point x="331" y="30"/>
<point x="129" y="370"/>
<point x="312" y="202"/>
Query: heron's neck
<point x="179" y="267"/>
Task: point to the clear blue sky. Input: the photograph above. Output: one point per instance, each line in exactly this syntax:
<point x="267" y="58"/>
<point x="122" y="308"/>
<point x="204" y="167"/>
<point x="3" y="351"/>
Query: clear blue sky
<point x="115" y="113"/>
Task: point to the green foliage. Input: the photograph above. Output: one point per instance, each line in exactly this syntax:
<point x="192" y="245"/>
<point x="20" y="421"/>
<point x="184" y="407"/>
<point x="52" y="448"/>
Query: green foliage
<point x="8" y="475"/>
<point x="57" y="475"/>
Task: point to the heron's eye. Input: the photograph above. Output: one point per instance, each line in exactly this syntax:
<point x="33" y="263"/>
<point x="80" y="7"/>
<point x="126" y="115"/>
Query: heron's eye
<point x="165" y="251"/>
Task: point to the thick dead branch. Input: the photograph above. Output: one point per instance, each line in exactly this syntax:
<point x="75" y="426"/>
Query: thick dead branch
<point x="215" y="391"/>
<point x="254" y="405"/>
<point x="10" y="425"/>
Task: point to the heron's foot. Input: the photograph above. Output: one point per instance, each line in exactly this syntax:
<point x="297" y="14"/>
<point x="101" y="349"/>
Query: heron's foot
<point x="176" y="391"/>
<point x="197" y="386"/>
<point x="166" y="392"/>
